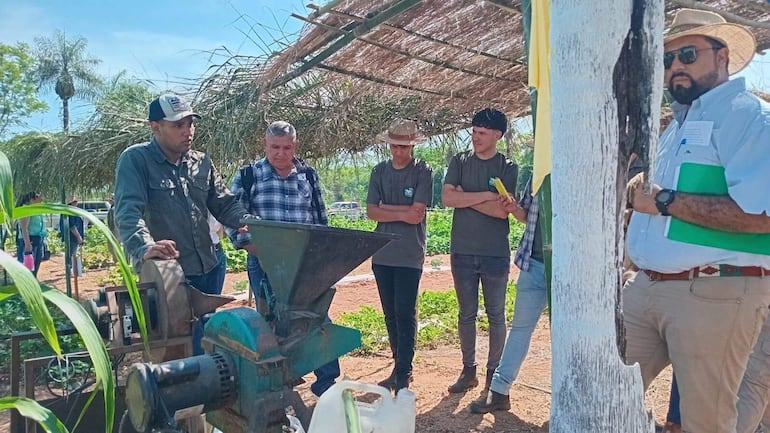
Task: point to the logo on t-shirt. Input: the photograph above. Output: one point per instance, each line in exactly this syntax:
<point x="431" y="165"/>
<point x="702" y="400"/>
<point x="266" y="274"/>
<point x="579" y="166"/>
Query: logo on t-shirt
<point x="409" y="192"/>
<point x="491" y="184"/>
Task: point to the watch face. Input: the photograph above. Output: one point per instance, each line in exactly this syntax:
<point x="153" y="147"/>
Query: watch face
<point x="663" y="196"/>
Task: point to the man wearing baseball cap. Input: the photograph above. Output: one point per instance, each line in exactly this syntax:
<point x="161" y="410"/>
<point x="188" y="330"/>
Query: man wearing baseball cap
<point x="701" y="295"/>
<point x="164" y="192"/>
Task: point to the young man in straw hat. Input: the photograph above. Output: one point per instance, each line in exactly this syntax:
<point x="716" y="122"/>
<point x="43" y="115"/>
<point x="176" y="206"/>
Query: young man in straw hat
<point x="400" y="190"/>
<point x="699" y="303"/>
<point x="479" y="245"/>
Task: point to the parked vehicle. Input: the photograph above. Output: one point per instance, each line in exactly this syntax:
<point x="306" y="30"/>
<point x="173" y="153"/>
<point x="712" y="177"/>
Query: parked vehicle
<point x="96" y="207"/>
<point x="346" y="209"/>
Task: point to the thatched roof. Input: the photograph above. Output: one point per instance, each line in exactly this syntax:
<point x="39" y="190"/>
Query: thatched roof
<point x="356" y="66"/>
<point x="438" y="60"/>
<point x="457" y="54"/>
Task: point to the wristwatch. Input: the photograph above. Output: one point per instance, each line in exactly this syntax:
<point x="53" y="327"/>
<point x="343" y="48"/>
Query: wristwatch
<point x="663" y="200"/>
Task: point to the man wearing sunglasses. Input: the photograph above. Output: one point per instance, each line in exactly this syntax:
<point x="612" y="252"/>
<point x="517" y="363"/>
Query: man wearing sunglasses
<point x="701" y="295"/>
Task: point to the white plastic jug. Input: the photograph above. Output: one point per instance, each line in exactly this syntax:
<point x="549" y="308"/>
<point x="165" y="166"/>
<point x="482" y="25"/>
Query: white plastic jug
<point x="386" y="415"/>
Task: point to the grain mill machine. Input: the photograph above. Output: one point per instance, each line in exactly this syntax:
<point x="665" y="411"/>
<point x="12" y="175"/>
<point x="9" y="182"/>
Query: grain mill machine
<point x="244" y="381"/>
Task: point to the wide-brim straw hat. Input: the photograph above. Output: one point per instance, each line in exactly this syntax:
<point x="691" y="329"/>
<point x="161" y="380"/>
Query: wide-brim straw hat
<point x="402" y="132"/>
<point x="738" y="39"/>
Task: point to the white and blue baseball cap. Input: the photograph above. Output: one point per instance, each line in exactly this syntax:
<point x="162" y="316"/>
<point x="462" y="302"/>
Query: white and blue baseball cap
<point x="170" y="107"/>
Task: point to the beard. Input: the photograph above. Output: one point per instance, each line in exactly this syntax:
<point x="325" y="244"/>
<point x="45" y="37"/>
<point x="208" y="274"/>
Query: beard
<point x="686" y="95"/>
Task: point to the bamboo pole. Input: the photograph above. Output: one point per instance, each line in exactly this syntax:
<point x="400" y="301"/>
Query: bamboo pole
<point x="396" y="8"/>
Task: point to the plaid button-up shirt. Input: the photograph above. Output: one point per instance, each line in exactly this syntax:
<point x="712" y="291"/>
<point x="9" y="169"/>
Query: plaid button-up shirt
<point x="528" y="202"/>
<point x="292" y="199"/>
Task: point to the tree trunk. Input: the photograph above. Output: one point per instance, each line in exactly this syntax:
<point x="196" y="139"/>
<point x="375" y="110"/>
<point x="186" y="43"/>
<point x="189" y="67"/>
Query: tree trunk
<point x="593" y="390"/>
<point x="65" y="109"/>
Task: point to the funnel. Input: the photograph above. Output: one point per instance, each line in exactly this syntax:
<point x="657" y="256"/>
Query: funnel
<point x="303" y="261"/>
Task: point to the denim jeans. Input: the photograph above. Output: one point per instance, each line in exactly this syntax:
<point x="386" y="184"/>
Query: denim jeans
<point x="531" y="298"/>
<point x="398" y="288"/>
<point x="492" y="272"/>
<point x="673" y="403"/>
<point x="211" y="282"/>
<point x="325" y="374"/>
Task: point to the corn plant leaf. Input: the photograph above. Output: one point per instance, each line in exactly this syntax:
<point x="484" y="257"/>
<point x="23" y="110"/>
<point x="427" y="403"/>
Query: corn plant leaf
<point x="93" y="341"/>
<point x="33" y="410"/>
<point x="29" y="290"/>
<point x="6" y="193"/>
<point x="120" y="258"/>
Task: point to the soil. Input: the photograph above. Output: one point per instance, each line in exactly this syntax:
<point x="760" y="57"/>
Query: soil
<point x="434" y="370"/>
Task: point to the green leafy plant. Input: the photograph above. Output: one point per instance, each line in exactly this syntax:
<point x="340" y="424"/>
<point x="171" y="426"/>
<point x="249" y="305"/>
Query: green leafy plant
<point x="241" y="286"/>
<point x="236" y="259"/>
<point x="436" y="321"/>
<point x="34" y="297"/>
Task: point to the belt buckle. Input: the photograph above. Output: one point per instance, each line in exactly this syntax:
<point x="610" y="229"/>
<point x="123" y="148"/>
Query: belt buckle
<point x="709" y="271"/>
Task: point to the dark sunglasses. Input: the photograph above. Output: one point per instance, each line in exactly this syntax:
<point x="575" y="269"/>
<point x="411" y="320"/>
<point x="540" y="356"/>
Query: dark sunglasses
<point x="687" y="55"/>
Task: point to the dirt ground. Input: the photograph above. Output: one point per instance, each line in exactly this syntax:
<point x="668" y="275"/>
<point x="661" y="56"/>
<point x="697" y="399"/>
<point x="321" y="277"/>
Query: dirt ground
<point x="434" y="370"/>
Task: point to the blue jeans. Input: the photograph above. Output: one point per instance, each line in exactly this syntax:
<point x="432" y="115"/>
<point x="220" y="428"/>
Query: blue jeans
<point x="398" y="287"/>
<point x="531" y="299"/>
<point x="211" y="282"/>
<point x="325" y="374"/>
<point x="492" y="272"/>
<point x="673" y="403"/>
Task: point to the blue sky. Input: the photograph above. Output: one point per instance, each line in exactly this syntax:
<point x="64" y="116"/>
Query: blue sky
<point x="169" y="42"/>
<point x="156" y="40"/>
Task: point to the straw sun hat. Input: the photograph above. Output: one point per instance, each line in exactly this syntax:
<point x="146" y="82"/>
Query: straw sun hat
<point x="738" y="39"/>
<point x="402" y="132"/>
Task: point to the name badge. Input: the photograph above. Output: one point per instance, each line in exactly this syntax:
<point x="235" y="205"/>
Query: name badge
<point x="408" y="192"/>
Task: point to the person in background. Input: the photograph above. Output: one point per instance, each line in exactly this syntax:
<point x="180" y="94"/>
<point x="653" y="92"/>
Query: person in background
<point x="216" y="231"/>
<point x="400" y="191"/>
<point x="531" y="299"/>
<point x="283" y="188"/>
<point x="479" y="248"/>
<point x="30" y="233"/>
<point x="77" y="235"/>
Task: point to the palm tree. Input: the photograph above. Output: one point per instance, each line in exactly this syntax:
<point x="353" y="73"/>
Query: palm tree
<point x="65" y="67"/>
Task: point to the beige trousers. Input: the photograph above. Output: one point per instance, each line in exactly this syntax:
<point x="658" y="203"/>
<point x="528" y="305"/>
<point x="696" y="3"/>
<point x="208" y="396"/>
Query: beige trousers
<point x="754" y="393"/>
<point x="706" y="328"/>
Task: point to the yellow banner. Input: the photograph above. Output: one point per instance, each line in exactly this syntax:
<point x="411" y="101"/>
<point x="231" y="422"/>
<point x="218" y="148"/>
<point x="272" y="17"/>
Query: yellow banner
<point x="540" y="78"/>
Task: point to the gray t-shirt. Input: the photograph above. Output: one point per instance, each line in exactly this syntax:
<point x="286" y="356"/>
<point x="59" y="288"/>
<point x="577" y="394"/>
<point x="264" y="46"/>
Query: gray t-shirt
<point x="387" y="185"/>
<point x="474" y="233"/>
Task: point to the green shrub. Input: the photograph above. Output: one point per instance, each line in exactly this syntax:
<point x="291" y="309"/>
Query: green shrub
<point x="439" y="227"/>
<point x="436" y="321"/>
<point x="236" y="259"/>
<point x="15" y="318"/>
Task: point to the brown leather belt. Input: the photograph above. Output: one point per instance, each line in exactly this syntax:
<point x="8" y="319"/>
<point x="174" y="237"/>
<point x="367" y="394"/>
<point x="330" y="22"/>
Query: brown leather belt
<point x="710" y="271"/>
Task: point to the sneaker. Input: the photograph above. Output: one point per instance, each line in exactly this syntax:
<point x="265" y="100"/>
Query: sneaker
<point x="492" y="402"/>
<point x="466" y="381"/>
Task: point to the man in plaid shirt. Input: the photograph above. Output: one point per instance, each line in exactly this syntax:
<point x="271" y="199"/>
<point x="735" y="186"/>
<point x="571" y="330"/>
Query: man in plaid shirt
<point x="283" y="188"/>
<point x="531" y="298"/>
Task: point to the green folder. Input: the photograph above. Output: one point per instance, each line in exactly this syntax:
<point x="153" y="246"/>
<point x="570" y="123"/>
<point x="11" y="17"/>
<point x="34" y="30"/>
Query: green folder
<point x="710" y="180"/>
